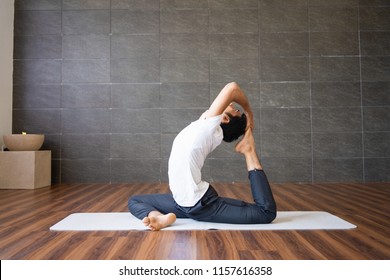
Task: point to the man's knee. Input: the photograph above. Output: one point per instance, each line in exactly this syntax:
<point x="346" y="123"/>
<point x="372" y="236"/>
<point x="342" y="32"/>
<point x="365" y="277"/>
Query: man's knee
<point x="132" y="201"/>
<point x="265" y="217"/>
<point x="270" y="217"/>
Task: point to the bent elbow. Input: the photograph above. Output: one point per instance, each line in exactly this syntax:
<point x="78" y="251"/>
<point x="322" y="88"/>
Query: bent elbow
<point x="233" y="86"/>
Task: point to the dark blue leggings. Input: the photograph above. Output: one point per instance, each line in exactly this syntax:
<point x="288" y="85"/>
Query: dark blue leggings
<point x="213" y="208"/>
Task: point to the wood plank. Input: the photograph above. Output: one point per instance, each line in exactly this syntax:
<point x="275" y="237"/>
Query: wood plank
<point x="26" y="215"/>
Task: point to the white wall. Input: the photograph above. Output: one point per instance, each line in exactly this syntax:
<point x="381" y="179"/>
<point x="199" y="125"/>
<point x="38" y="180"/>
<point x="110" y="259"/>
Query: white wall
<point x="6" y="66"/>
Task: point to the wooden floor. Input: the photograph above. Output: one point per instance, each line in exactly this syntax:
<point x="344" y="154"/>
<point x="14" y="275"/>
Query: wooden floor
<point x="26" y="215"/>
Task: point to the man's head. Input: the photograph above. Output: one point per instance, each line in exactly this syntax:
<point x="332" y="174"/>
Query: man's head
<point x="233" y="124"/>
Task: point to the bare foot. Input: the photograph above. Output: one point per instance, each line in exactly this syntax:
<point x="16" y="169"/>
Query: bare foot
<point x="247" y="143"/>
<point x="247" y="147"/>
<point x="160" y="221"/>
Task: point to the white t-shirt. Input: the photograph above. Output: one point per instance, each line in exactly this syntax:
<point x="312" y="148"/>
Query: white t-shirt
<point x="189" y="151"/>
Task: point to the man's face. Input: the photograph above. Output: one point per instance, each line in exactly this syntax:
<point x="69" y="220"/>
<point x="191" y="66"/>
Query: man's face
<point x="229" y="112"/>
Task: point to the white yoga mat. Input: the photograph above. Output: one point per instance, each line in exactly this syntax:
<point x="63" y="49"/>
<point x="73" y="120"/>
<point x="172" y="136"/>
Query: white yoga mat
<point x="285" y="220"/>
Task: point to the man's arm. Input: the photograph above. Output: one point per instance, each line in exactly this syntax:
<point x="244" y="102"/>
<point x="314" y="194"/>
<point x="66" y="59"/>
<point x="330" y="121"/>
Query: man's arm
<point x="230" y="93"/>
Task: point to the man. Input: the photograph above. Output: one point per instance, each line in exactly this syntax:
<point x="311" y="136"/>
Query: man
<point x="196" y="199"/>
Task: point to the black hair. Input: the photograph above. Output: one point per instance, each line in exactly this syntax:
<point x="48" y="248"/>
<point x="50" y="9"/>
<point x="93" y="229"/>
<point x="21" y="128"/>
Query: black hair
<point x="234" y="128"/>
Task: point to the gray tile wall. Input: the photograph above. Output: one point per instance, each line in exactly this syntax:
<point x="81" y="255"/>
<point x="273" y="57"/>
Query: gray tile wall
<point x="110" y="84"/>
